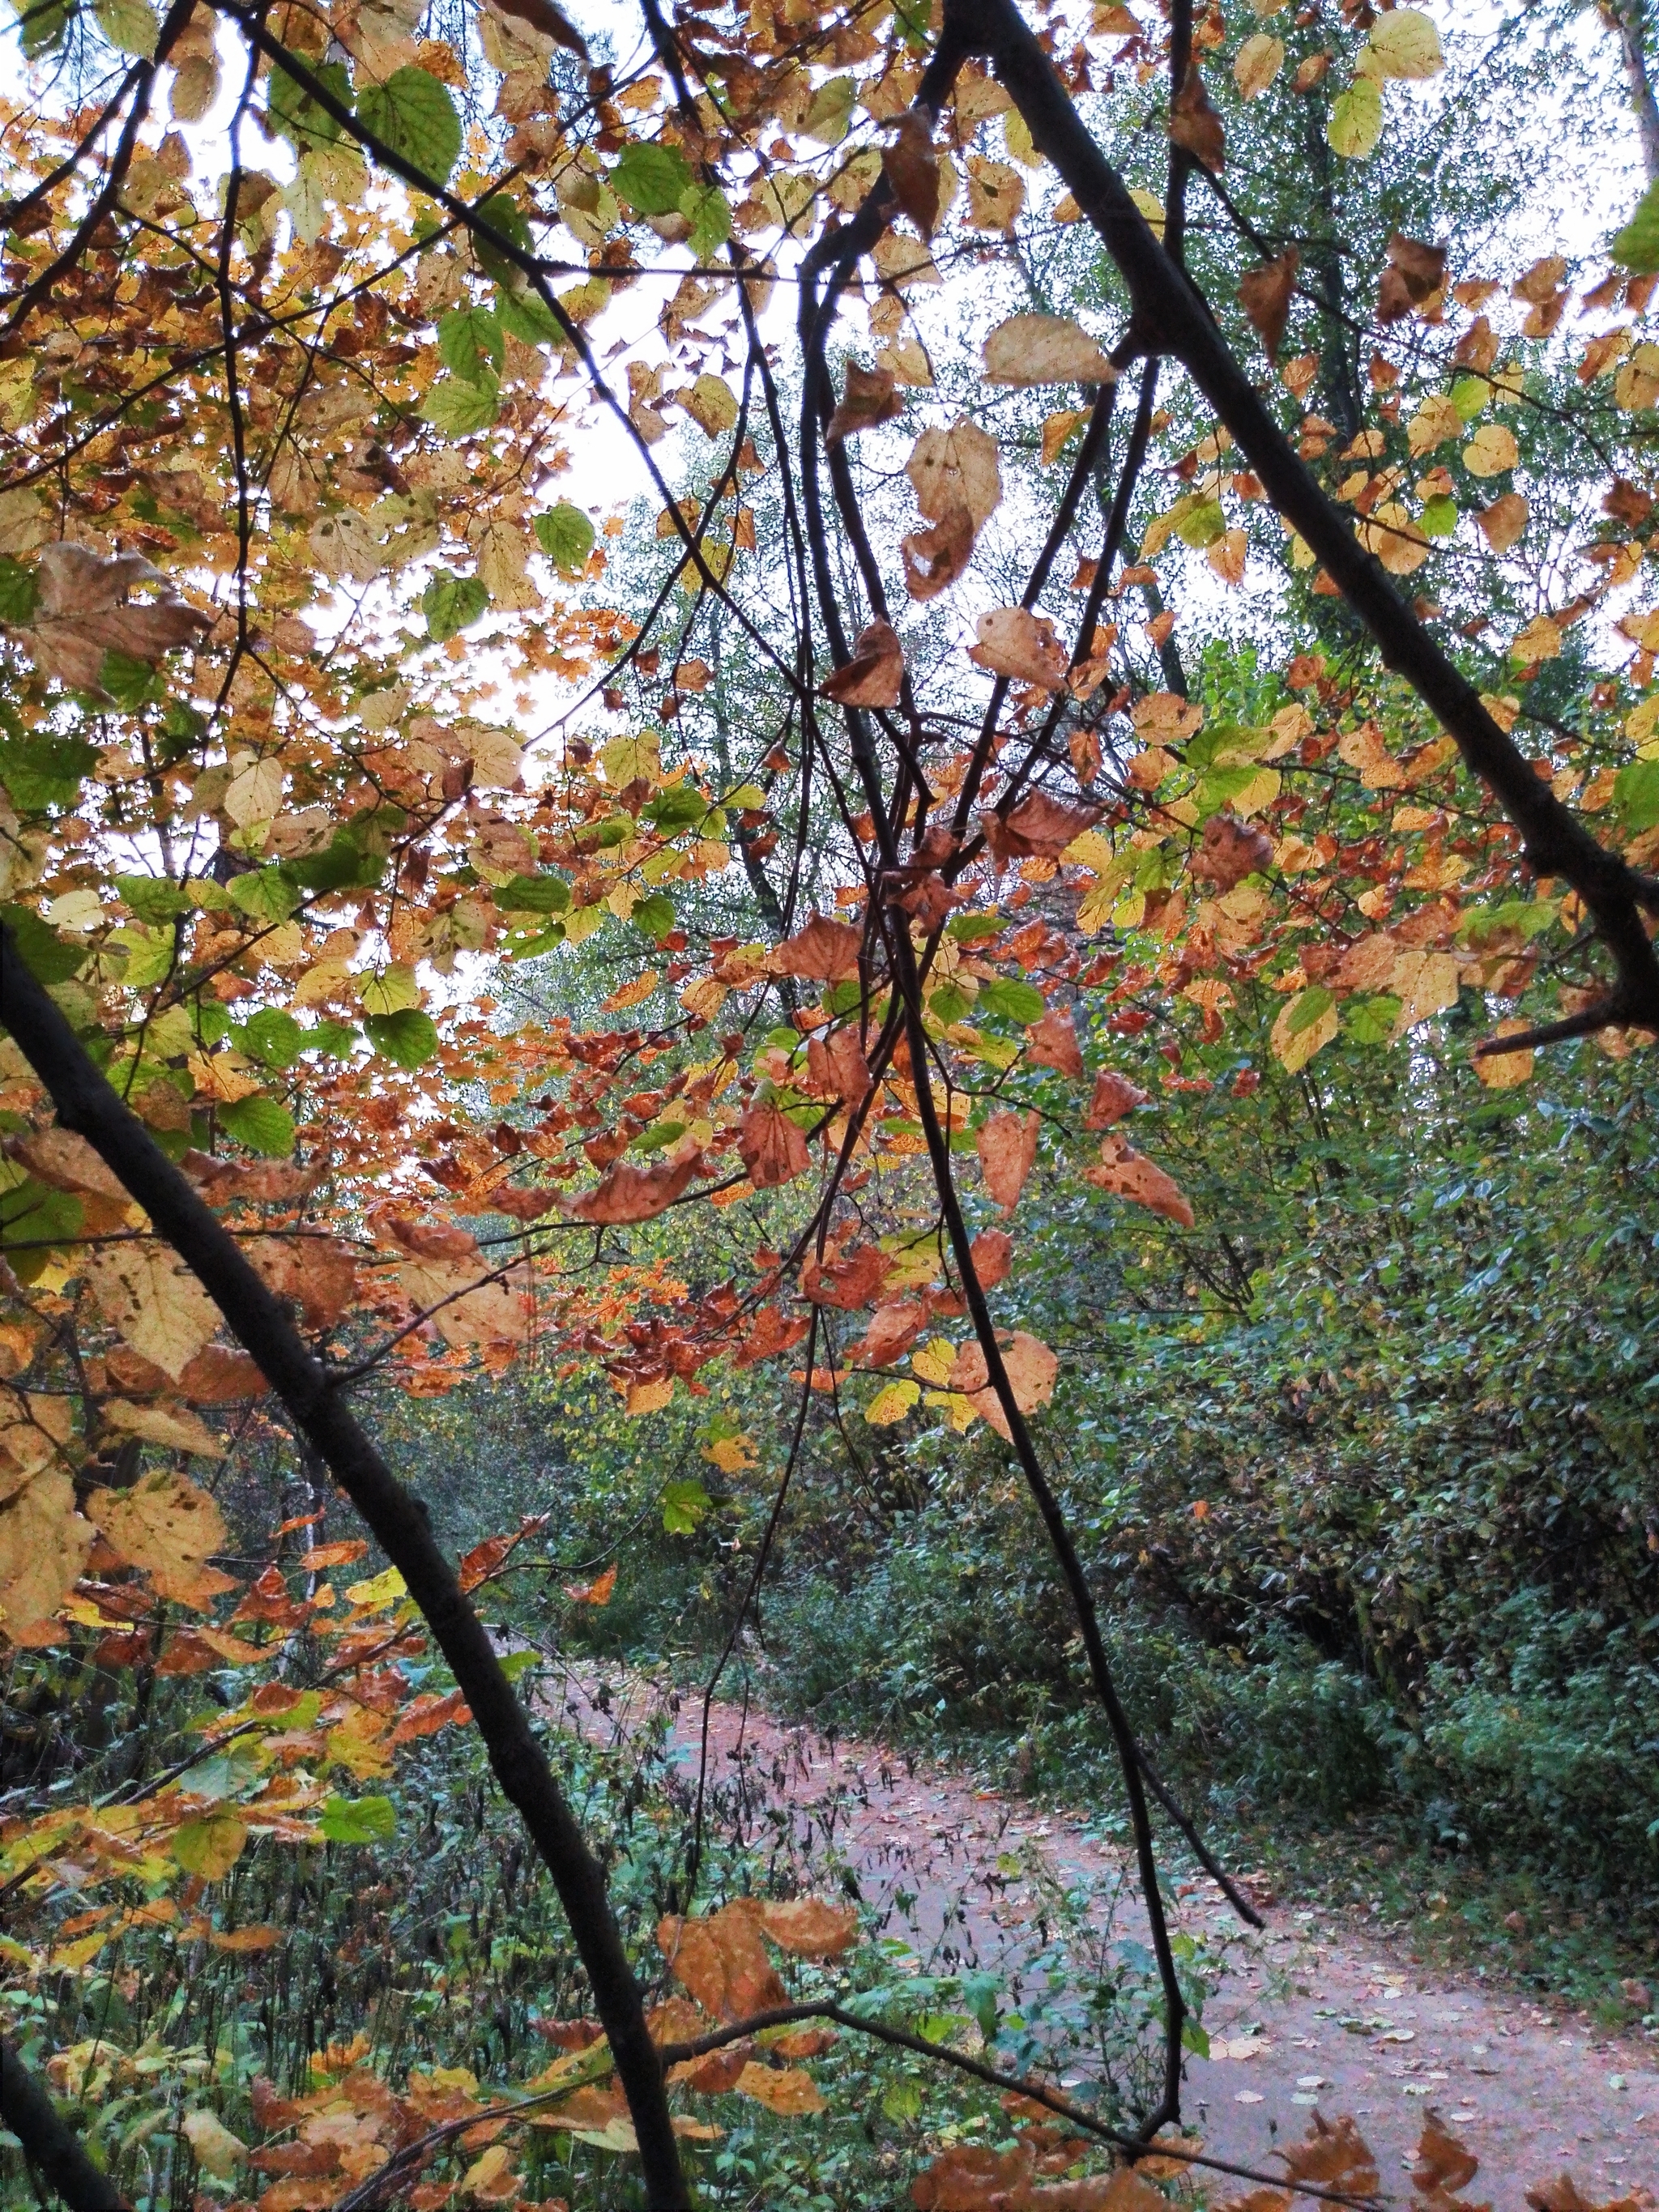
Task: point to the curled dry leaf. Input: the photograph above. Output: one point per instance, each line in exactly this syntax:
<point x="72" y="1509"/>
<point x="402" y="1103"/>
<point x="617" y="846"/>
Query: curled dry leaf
<point x="261" y="1182"/>
<point x="1044" y="350"/>
<point x="871" y="397"/>
<point x="822" y="950"/>
<point x="773" y="1148"/>
<point x="1052" y="1042"/>
<point x="910" y="165"/>
<point x="1335" y="2156"/>
<point x="933" y="558"/>
<point x="1193" y="124"/>
<point x="1038" y="827"/>
<point x="84" y="612"/>
<point x="1128" y="1174"/>
<point x="1007" y="1147"/>
<point x="1264" y="293"/>
<point x="629" y="1193"/>
<point x="430" y="1240"/>
<point x="1230" y="850"/>
<point x="1012" y="642"/>
<point x="874" y="677"/>
<point x="318" y="1273"/>
<point x="548" y="21"/>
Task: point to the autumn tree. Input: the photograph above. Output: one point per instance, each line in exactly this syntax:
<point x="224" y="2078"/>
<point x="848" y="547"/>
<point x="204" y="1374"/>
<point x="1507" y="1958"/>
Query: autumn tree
<point x="321" y="718"/>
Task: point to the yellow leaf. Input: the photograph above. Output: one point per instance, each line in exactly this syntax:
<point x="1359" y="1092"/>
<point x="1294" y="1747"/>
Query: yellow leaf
<point x="1424" y="983"/>
<point x="163" y="1522"/>
<point x="1406" y="44"/>
<point x="649" y="1397"/>
<point x="789" y="2091"/>
<point x="173" y="1427"/>
<point x="1304" y="1027"/>
<point x="1259" y="62"/>
<point x="210" y="1846"/>
<point x="1503" y="1071"/>
<point x="43" y="1544"/>
<point x="1491" y="451"/>
<point x="712" y="404"/>
<point x="891" y="1404"/>
<point x="155" y="1301"/>
<point x="933" y="1362"/>
<point x="1356" y="122"/>
<point x="218" y="2151"/>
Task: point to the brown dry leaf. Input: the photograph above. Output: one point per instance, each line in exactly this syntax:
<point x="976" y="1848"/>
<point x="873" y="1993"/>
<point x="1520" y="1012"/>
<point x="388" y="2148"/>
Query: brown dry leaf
<point x="551" y="21"/>
<point x="84" y="613"/>
<point x="151" y="1297"/>
<point x="822" y="950"/>
<point x="597" y="1592"/>
<point x="956" y="467"/>
<point x="1052" y="1042"/>
<point x="910" y="165"/>
<point x="1032" y="1369"/>
<point x="789" y="2091"/>
<point x="993" y="1253"/>
<point x="1444" y="2165"/>
<point x="892" y="1331"/>
<point x="810" y="1928"/>
<point x="1264" y="293"/>
<point x="629" y="1193"/>
<point x="803" y="2043"/>
<point x="1038" y="827"/>
<point x="1193" y="124"/>
<point x="722" y="1960"/>
<point x="871" y="397"/>
<point x="430" y="1240"/>
<point x="1258" y="62"/>
<point x="1336" y="2157"/>
<point x="317" y="1273"/>
<point x="1504" y="523"/>
<point x="874" y="677"/>
<point x="264" y="1183"/>
<point x="1056" y="429"/>
<point x="63" y="1161"/>
<point x="164" y="1523"/>
<point x="525" y="1202"/>
<point x="1114" y="1097"/>
<point x="1230" y="851"/>
<point x="1012" y="642"/>
<point x="43" y="1544"/>
<point x="773" y="1148"/>
<point x="1422" y="268"/>
<point x="1007" y="1147"/>
<point x="836" y="1068"/>
<point x="1228" y="554"/>
<point x="996" y="193"/>
<point x="933" y="558"/>
<point x="217" y="1377"/>
<point x="1044" y="350"/>
<point x="1129" y="1174"/>
<point x="846" y="1280"/>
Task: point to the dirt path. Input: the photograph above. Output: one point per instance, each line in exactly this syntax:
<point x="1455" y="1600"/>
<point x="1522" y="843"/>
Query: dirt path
<point x="1309" y="2013"/>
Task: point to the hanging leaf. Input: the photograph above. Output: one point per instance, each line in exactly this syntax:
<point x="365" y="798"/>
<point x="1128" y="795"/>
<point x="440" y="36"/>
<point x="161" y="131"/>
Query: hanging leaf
<point x="413" y="116"/>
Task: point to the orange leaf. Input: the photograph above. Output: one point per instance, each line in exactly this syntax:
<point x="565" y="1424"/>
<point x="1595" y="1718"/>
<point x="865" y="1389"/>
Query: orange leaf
<point x="1007" y="1146"/>
<point x="629" y="1193"/>
<point x="1129" y="1174"/>
<point x="1052" y="1042"/>
<point x="594" y="1593"/>
<point x="721" y="1959"/>
<point x="772" y="1147"/>
<point x="426" y="1715"/>
<point x="821" y="952"/>
<point x="809" y="1926"/>
<point x="1114" y="1097"/>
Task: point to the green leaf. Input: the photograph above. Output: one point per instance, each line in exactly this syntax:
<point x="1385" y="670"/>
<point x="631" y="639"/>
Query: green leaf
<point x="413" y="116"/>
<point x="684" y="1504"/>
<point x="654" y="916"/>
<point x="532" y="895"/>
<point x="708" y="211"/>
<point x="501" y="213"/>
<point x="677" y="809"/>
<point x="43" y="28"/>
<point x="1371" y="1021"/>
<point x="336" y="1038"/>
<point x="130" y="25"/>
<point x="45" y="771"/>
<point x="1356" y="122"/>
<point x="457" y="408"/>
<point x="527" y="317"/>
<point x="1015" y="1000"/>
<point x="263" y="1125"/>
<point x="969" y="928"/>
<point x="19" y="592"/>
<point x="358" y="1820"/>
<point x="1310" y="1008"/>
<point x="515" y="1663"/>
<point x="131" y="683"/>
<point x="296" y="116"/>
<point x="1469" y="396"/>
<point x="273" y="1035"/>
<point x="1200" y="522"/>
<point x="408" y="1039"/>
<point x="46" y="955"/>
<point x="1635" y="793"/>
<point x="651" y="180"/>
<point x="566" y="535"/>
<point x="1439" y="516"/>
<point x="470" y="341"/>
<point x="341" y="865"/>
<point x="901" y="2101"/>
<point x="450" y="604"/>
<point x="1637" y="245"/>
<point x="152" y="898"/>
<point x="264" y="894"/>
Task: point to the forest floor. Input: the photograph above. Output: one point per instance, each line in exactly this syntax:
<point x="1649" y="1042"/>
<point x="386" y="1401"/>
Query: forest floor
<point x="1316" y="2011"/>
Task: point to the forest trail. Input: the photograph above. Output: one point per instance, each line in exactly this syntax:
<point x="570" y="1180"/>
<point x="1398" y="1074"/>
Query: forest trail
<point x="1311" y="2012"/>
